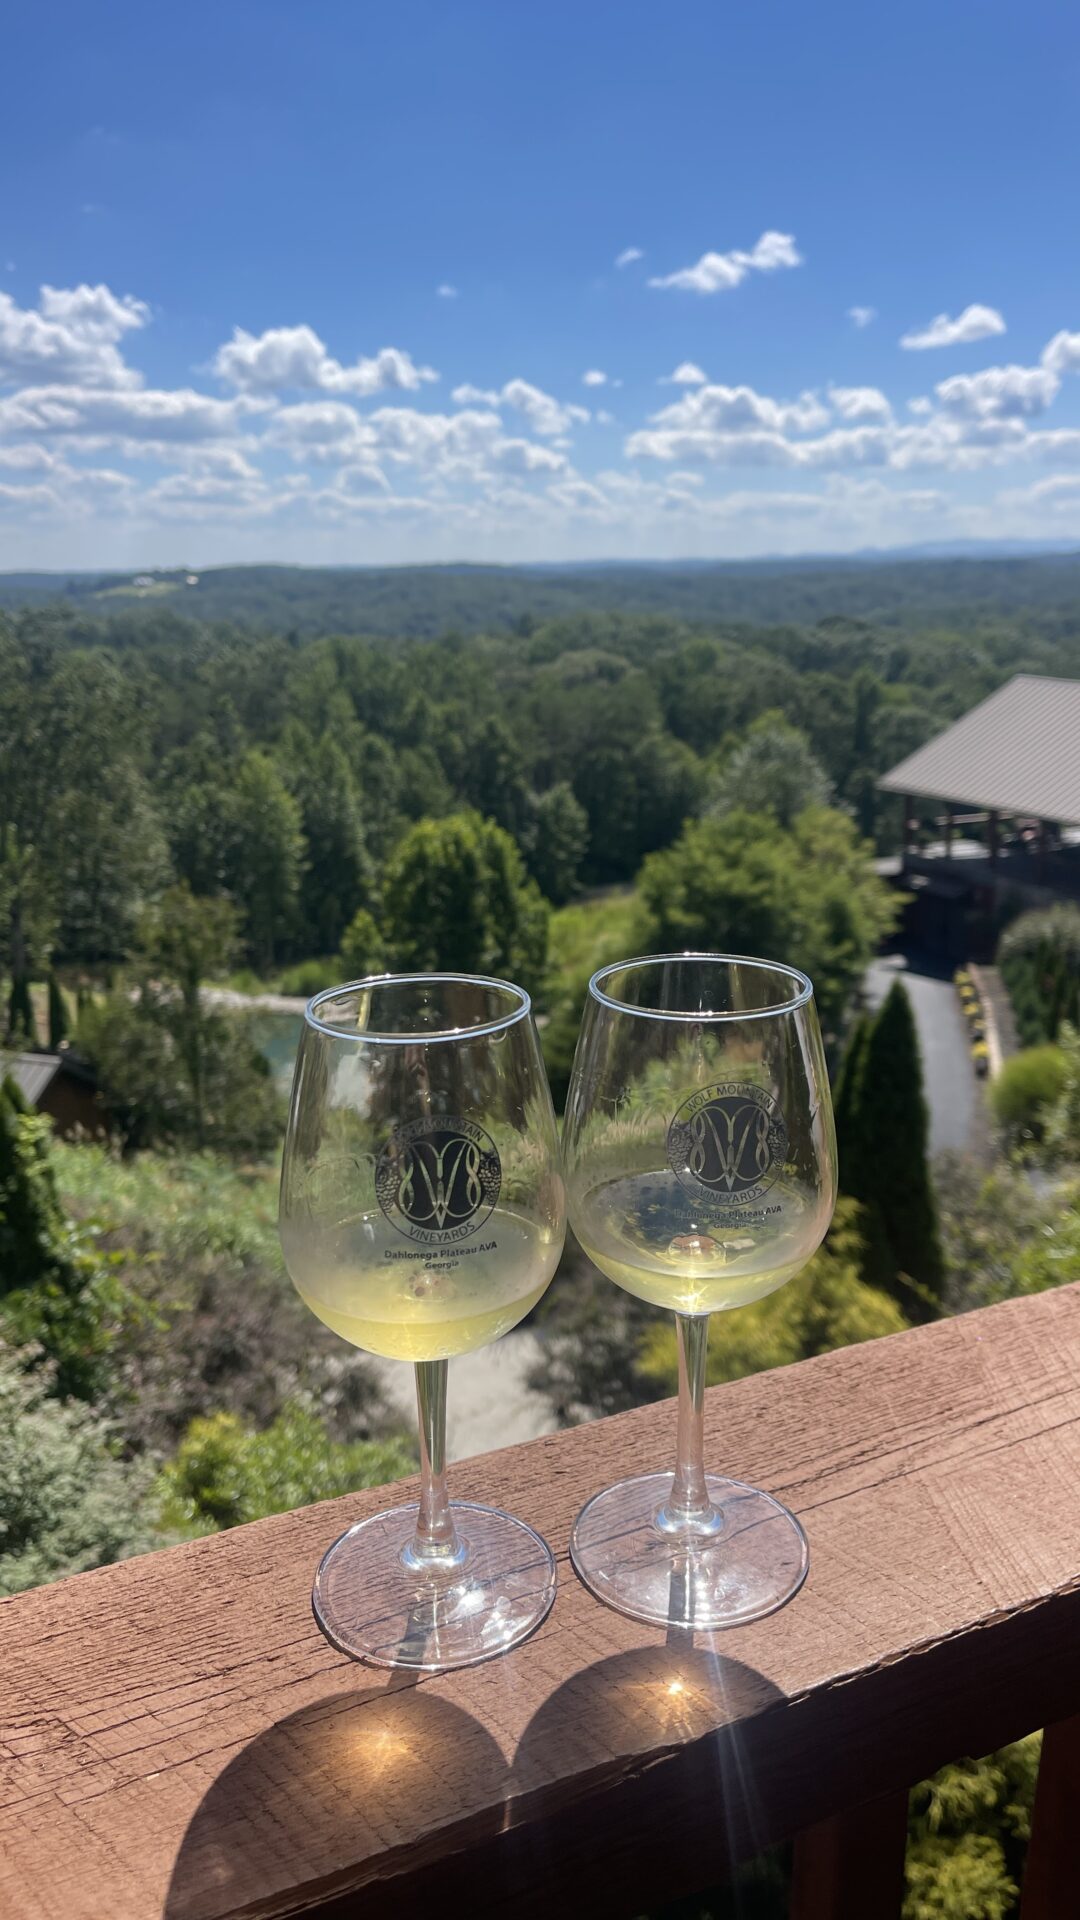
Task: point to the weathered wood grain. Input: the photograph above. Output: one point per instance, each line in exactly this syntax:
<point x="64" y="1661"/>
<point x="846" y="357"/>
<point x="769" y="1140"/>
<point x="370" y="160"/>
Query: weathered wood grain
<point x="176" y="1738"/>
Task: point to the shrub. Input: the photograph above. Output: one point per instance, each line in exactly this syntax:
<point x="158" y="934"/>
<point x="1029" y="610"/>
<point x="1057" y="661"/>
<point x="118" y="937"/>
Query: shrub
<point x="219" y="1328"/>
<point x="362" y="949"/>
<point x="1026" y="1090"/>
<point x="309" y="977"/>
<point x="1039" y="957"/>
<point x="826" y="1306"/>
<point x="224" y="1474"/>
<point x="67" y="1502"/>
<point x="56" y="1291"/>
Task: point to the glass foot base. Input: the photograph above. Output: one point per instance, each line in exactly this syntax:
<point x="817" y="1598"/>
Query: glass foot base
<point x="373" y="1606"/>
<point x="748" y="1566"/>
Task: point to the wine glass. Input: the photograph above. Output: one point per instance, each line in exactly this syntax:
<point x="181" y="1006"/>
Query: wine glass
<point x="422" y="1215"/>
<point x="700" y="1163"/>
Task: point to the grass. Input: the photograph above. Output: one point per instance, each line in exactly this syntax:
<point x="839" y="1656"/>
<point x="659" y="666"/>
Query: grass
<point x="590" y="933"/>
<point x="174" y="1203"/>
<point x="131" y="592"/>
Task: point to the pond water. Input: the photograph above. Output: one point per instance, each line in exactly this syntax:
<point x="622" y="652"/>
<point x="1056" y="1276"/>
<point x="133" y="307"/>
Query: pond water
<point x="277" y="1036"/>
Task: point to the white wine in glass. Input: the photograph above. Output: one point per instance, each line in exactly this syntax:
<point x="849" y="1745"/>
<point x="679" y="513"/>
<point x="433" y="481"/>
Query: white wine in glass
<point x="701" y="1174"/>
<point x="422" y="1215"/>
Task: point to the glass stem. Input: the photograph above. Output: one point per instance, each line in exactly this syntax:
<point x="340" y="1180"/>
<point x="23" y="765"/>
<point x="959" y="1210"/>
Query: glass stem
<point x="689" y="1509"/>
<point x="435" y="1540"/>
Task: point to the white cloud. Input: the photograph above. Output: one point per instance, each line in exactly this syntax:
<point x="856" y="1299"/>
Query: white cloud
<point x="320" y="430"/>
<point x="467" y="396"/>
<point x="603" y="418"/>
<point x="524" y="456"/>
<point x="1057" y="489"/>
<point x="686" y="374"/>
<point x="628" y="255"/>
<point x="32" y="497"/>
<point x="545" y="415"/>
<point x="594" y="378"/>
<point x="998" y="393"/>
<point x="167" y="414"/>
<point x="444" y="291"/>
<point x="975" y="323"/>
<point x="27" y="459"/>
<point x="69" y="338"/>
<point x="862" y="316"/>
<point x="1062" y="353"/>
<point x="548" y="417"/>
<point x="860" y="403"/>
<point x="295" y="357"/>
<point x="728" y="423"/>
<point x="716" y="272"/>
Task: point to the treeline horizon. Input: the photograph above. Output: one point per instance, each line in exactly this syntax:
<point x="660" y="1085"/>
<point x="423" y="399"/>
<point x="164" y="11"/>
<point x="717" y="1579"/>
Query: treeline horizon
<point x="903" y="588"/>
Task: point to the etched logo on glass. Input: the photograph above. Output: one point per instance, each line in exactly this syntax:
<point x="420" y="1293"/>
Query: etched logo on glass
<point x="728" y="1141"/>
<point x="438" y="1179"/>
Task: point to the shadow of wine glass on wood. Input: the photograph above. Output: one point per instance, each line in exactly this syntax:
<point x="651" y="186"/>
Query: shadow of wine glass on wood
<point x="336" y="1800"/>
<point x="639" y="1776"/>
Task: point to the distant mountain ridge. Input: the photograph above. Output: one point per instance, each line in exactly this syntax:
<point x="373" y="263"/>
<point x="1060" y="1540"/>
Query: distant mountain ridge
<point x="916" y="585"/>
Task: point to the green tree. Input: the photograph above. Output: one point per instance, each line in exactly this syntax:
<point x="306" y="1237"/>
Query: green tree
<point x="109" y="845"/>
<point x="362" y="949"/>
<point x="886" y="1166"/>
<point x="560" y="835"/>
<point x="55" y="1291"/>
<point x="171" y="1067"/>
<point x="201" y="816"/>
<point x="487" y="772"/>
<point x="58" y="1020"/>
<point x="21" y="1025"/>
<point x="184" y="942"/>
<point x="968" y="1828"/>
<point x="457" y="897"/>
<point x="27" y="925"/>
<point x="224" y="1474"/>
<point x="67" y="1500"/>
<point x="742" y="884"/>
<point x="773" y="770"/>
<point x="338" y="877"/>
<point x="266" y="860"/>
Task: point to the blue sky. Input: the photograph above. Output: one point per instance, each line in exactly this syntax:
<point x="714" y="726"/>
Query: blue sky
<point x="323" y="283"/>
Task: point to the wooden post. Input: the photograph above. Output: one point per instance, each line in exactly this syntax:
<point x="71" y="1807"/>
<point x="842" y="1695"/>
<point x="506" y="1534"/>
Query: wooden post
<point x="852" y="1867"/>
<point x="948" y="832"/>
<point x="905" y="831"/>
<point x="992" y="836"/>
<point x="1052" y="1873"/>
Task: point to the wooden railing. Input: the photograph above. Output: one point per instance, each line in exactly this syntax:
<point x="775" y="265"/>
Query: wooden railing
<point x="177" y="1740"/>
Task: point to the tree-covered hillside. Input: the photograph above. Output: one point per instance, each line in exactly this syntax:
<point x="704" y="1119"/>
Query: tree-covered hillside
<point x="893" y="591"/>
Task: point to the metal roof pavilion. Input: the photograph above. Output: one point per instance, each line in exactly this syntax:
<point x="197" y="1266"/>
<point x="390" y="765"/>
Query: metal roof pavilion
<point x="1017" y="752"/>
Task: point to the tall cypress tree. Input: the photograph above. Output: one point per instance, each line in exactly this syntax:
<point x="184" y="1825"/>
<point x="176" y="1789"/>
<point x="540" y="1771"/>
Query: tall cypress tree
<point x="887" y="1167"/>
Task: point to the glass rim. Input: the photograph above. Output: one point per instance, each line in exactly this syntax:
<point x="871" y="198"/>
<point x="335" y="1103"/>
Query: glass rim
<point x="426" y="1036"/>
<point x="801" y="999"/>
